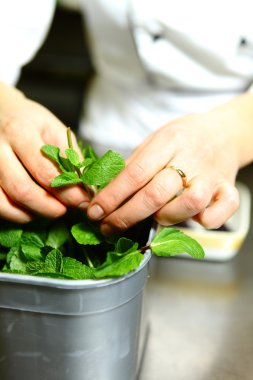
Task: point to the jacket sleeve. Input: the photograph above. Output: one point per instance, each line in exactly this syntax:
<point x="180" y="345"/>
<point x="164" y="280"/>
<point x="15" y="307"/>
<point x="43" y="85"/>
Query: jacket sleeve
<point x="23" y="28"/>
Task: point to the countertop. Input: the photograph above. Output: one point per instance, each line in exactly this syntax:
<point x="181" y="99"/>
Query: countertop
<point x="201" y="316"/>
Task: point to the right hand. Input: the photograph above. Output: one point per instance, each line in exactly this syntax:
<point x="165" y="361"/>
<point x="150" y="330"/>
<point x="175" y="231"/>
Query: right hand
<point x="25" y="173"/>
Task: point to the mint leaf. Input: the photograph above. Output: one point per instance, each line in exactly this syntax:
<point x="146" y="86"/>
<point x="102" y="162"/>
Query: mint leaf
<point x="76" y="270"/>
<point x="104" y="169"/>
<point x="65" y="165"/>
<point x="16" y="261"/>
<point x="73" y="156"/>
<point x="58" y="234"/>
<point x="31" y="244"/>
<point x="120" y="267"/>
<point x="51" y="152"/>
<point x="31" y="252"/>
<point x="66" y="179"/>
<point x="87" y="162"/>
<point x="170" y="241"/>
<point x="14" y="251"/>
<point x="34" y="267"/>
<point x="87" y="151"/>
<point x="53" y="275"/>
<point x="17" y="265"/>
<point x="32" y="238"/>
<point x="125" y="245"/>
<point x="53" y="262"/>
<point x="86" y="234"/>
<point x="10" y="236"/>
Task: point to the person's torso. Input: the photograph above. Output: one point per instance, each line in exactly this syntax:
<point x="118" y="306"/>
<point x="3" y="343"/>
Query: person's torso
<point x="157" y="60"/>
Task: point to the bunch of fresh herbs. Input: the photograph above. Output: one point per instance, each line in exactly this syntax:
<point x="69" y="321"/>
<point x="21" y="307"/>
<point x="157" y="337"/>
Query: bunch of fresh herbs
<point x="72" y="247"/>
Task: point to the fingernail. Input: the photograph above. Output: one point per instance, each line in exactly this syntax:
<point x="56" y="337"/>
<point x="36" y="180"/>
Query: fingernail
<point x="96" y="212"/>
<point x="106" y="229"/>
<point x="84" y="205"/>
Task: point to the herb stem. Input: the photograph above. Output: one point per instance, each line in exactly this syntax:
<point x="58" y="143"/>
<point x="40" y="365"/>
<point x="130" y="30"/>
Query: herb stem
<point x="91" y="190"/>
<point x="78" y="171"/>
<point x="88" y="259"/>
<point x="70" y="143"/>
<point x="144" y="248"/>
<point x="89" y="262"/>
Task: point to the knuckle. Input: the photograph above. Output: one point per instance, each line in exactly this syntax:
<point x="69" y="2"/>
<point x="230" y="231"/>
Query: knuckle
<point x="110" y="201"/>
<point x="65" y="196"/>
<point x="45" y="176"/>
<point x="195" y="201"/>
<point x="154" y="196"/>
<point x="136" y="174"/>
<point x="21" y="192"/>
<point x="233" y="201"/>
<point x="10" y="126"/>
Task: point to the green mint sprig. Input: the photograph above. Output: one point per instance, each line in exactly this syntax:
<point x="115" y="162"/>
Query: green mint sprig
<point x="91" y="171"/>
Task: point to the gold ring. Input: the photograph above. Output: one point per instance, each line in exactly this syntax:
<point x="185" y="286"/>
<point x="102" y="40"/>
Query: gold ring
<point x="181" y="173"/>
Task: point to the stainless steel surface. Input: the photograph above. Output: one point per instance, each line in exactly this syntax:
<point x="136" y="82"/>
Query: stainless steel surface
<point x="201" y="317"/>
<point x="71" y="330"/>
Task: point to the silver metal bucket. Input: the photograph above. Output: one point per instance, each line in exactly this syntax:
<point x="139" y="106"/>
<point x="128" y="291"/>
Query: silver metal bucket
<point x="72" y="330"/>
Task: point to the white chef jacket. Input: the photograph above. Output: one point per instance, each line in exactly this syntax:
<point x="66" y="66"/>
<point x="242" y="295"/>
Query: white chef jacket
<point x="160" y="59"/>
<point x="156" y="60"/>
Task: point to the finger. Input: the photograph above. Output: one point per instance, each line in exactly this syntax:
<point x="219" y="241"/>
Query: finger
<point x="194" y="199"/>
<point x="12" y="212"/>
<point x="135" y="176"/>
<point x="44" y="170"/>
<point x="224" y="204"/>
<point x="23" y="191"/>
<point x="163" y="187"/>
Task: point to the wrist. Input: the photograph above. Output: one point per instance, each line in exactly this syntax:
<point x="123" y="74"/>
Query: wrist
<point x="235" y="127"/>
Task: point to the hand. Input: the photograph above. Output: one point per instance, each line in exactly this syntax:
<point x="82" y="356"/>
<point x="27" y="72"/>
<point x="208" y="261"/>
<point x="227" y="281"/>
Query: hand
<point x="25" y="173"/>
<point x="206" y="147"/>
